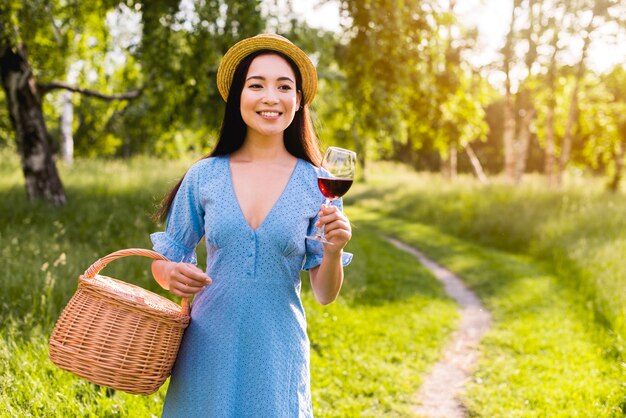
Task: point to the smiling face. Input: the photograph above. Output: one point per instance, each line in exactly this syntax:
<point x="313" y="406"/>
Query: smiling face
<point x="269" y="99"/>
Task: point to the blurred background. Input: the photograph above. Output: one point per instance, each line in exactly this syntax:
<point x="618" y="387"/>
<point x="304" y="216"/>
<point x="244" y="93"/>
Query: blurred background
<point x="486" y="87"/>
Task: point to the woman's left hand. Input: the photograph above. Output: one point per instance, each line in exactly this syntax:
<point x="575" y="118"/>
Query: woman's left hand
<point x="337" y="228"/>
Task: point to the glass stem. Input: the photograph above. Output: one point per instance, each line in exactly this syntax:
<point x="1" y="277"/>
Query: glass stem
<point x="320" y="231"/>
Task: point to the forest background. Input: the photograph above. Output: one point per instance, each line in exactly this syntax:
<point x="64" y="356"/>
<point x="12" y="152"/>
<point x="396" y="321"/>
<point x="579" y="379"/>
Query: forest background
<point x="397" y="82"/>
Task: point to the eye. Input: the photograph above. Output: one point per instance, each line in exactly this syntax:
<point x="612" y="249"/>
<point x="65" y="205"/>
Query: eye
<point x="285" y="87"/>
<point x="255" y="86"/>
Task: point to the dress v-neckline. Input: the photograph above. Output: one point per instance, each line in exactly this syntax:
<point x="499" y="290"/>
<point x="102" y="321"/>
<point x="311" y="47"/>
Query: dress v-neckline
<point x="278" y="200"/>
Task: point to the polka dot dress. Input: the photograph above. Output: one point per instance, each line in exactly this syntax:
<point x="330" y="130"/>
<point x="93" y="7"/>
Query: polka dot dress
<point x="246" y="351"/>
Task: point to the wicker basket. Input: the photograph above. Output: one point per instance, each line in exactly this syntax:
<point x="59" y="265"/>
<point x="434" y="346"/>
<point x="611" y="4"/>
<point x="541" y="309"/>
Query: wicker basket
<point x="116" y="334"/>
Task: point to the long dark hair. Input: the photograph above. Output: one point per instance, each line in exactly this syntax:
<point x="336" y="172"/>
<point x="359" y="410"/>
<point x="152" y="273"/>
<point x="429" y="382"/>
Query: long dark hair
<point x="299" y="137"/>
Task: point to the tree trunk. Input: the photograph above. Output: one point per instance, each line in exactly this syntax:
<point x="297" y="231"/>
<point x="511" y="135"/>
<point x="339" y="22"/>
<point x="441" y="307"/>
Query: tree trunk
<point x="508" y="135"/>
<point x="360" y="151"/>
<point x="526" y="93"/>
<point x="618" y="158"/>
<point x="33" y="140"/>
<point x="478" y="168"/>
<point x="453" y="162"/>
<point x="67" y="138"/>
<point x="573" y="106"/>
<point x="566" y="148"/>
<point x="449" y="164"/>
<point x="522" y="145"/>
<point x="550" y="156"/>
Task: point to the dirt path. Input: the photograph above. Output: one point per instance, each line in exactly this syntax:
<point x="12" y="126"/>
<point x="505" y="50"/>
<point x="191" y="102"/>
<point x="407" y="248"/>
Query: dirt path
<point x="438" y="395"/>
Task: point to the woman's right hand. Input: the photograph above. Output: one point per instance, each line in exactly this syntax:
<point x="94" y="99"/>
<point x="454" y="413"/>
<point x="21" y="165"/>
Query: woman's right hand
<point x="181" y="279"/>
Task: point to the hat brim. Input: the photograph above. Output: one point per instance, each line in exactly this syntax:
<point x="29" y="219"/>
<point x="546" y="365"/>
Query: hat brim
<point x="243" y="48"/>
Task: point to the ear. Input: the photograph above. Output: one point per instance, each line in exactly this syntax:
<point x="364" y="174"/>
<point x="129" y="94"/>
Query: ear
<point x="298" y="99"/>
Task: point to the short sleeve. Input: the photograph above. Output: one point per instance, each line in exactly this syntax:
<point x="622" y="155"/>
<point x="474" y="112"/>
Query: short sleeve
<point x="185" y="223"/>
<point x="315" y="249"/>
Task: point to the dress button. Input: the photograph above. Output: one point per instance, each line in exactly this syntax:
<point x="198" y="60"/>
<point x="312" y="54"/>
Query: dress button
<point x="250" y="254"/>
<point x="249" y="273"/>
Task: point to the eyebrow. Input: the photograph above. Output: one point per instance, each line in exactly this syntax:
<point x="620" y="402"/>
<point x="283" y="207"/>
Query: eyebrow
<point x="263" y="78"/>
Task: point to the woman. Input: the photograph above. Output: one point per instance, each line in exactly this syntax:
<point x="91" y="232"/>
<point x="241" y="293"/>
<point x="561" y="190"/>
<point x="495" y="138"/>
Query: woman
<point x="254" y="199"/>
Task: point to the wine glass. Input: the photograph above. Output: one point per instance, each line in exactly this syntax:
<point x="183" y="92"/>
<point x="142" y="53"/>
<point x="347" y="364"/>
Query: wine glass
<point x="334" y="179"/>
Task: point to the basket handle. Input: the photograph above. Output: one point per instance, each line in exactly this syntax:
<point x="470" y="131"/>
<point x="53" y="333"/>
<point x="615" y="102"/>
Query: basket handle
<point x="95" y="268"/>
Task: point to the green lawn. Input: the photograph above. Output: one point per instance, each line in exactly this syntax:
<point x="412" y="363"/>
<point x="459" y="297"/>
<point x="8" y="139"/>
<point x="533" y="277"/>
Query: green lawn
<point x="553" y="349"/>
<point x="546" y="264"/>
<point x="368" y="348"/>
<point x="579" y="231"/>
<point x="544" y="355"/>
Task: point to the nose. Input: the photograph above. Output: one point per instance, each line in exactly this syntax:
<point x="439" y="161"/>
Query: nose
<point x="270" y="97"/>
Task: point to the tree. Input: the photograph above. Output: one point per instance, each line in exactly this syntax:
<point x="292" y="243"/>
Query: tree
<point x="508" y="136"/>
<point x="375" y="81"/>
<point x="177" y="56"/>
<point x="600" y="10"/>
<point x="460" y="117"/>
<point x="555" y="23"/>
<point x="19" y="24"/>
<point x="406" y="82"/>
<point x="602" y="125"/>
<point x="25" y="110"/>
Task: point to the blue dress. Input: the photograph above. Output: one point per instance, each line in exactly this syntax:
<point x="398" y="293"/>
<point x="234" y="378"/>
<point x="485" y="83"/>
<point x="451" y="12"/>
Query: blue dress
<point x="246" y="350"/>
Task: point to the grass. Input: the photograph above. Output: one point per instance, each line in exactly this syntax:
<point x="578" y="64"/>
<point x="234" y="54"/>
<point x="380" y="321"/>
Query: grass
<point x="579" y="231"/>
<point x="388" y="326"/>
<point x="544" y="355"/>
<point x="548" y="265"/>
<point x="549" y="352"/>
<point x="368" y="349"/>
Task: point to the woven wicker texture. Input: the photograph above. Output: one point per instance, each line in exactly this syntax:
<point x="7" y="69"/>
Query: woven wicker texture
<point x="116" y="334"/>
<point x="243" y="48"/>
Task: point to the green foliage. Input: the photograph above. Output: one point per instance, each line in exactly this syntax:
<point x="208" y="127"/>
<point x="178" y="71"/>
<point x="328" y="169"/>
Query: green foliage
<point x="604" y="123"/>
<point x="405" y="78"/>
<point x="398" y="83"/>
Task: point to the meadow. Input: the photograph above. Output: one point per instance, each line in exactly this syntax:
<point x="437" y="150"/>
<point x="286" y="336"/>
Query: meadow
<point x="579" y="230"/>
<point x="550" y="267"/>
<point x="547" y="265"/>
<point x="368" y="349"/>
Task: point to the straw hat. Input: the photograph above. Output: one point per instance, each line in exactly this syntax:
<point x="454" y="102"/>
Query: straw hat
<point x="243" y="48"/>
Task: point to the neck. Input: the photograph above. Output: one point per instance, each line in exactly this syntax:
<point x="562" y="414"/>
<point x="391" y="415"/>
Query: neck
<point x="261" y="148"/>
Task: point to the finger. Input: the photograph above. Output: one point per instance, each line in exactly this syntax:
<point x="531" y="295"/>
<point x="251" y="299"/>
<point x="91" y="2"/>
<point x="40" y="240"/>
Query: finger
<point x="184" y="291"/>
<point x="338" y="232"/>
<point x="181" y="293"/>
<point x="338" y="237"/>
<point x="187" y="281"/>
<point x="334" y="217"/>
<point x="329" y="212"/>
<point x="195" y="274"/>
<point x="325" y="210"/>
<point x="337" y="224"/>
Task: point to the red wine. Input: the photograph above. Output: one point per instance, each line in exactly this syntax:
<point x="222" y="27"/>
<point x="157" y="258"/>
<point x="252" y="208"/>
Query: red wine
<point x="332" y="188"/>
